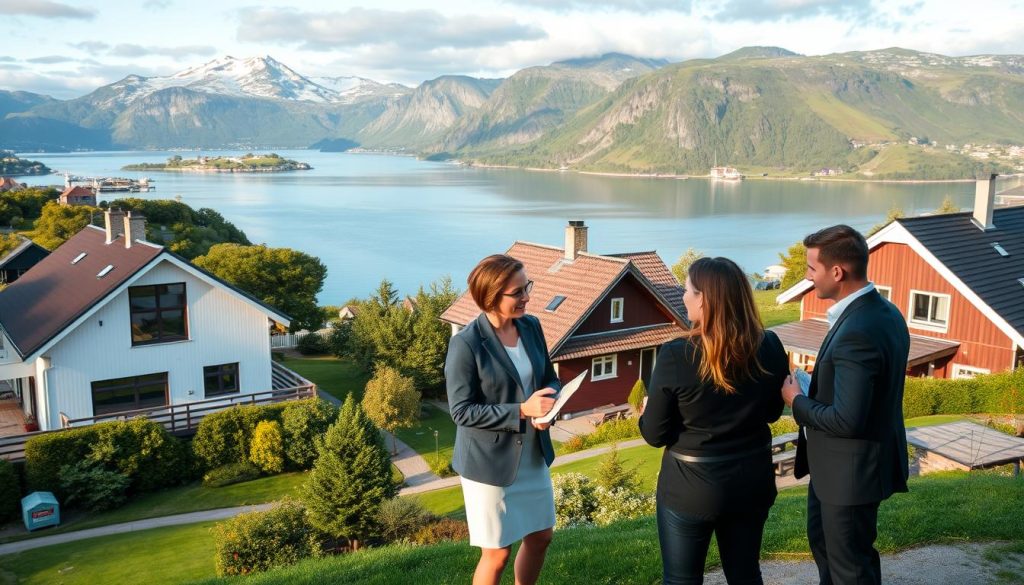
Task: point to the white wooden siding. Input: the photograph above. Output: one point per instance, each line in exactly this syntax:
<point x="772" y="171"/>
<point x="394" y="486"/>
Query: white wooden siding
<point x="222" y="329"/>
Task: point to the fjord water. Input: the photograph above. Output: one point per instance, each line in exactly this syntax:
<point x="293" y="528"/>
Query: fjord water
<point x="369" y="216"/>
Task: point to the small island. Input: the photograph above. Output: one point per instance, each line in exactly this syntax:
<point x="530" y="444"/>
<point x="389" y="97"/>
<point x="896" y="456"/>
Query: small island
<point x="249" y="163"/>
<point x="12" y="166"/>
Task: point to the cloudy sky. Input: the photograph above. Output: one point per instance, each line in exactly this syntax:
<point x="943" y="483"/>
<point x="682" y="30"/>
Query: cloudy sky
<point x="66" y="48"/>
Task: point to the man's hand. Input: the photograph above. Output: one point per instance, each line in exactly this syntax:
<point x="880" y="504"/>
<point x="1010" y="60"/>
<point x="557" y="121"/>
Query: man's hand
<point x="790" y="389"/>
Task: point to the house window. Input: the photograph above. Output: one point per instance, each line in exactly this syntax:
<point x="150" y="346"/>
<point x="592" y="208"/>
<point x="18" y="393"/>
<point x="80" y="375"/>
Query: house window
<point x="111" y="396"/>
<point x="159" y="313"/>
<point x="885" y="291"/>
<point x="222" y="379"/>
<point x="929" y="309"/>
<point x="962" y="371"/>
<point x="603" y="367"/>
<point x="617" y="309"/>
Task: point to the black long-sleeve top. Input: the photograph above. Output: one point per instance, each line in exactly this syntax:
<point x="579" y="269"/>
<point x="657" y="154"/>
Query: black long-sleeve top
<point x="690" y="415"/>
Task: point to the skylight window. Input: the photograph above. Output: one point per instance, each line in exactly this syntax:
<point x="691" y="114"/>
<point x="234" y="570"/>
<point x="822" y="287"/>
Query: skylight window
<point x="555" y="302"/>
<point x="105" y="271"/>
<point x="1002" y="251"/>
<point x="1021" y="281"/>
<point x="78" y="258"/>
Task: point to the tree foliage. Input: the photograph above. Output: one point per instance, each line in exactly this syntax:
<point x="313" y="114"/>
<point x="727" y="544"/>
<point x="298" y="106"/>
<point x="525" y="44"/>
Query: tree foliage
<point x="351" y="477"/>
<point x="57" y="223"/>
<point x="414" y="341"/>
<point x="682" y="266"/>
<point x="391" y="400"/>
<point x="893" y="214"/>
<point x="8" y="242"/>
<point x="185" y="231"/>
<point x="637" y="395"/>
<point x="281" y="277"/>
<point x="24" y="204"/>
<point x="795" y="261"/>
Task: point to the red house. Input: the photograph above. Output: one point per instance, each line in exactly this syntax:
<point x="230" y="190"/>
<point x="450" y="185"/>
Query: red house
<point x="605" y="313"/>
<point x="957" y="278"/>
<point x="78" y="195"/>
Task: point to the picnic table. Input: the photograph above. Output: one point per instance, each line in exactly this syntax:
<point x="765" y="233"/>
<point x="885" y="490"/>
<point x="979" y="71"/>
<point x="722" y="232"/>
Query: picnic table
<point x="782" y="459"/>
<point x="968" y="445"/>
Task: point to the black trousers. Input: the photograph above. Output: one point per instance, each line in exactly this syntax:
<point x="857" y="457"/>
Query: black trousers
<point x="842" y="540"/>
<point x="685" y="540"/>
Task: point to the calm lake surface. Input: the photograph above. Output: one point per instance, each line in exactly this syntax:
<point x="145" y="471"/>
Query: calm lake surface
<point x="369" y="217"/>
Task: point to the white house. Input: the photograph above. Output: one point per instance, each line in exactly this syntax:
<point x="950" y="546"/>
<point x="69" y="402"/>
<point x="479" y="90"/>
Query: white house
<point x="109" y="323"/>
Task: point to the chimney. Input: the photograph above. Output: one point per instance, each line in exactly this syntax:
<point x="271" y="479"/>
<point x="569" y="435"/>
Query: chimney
<point x="575" y="239"/>
<point x="984" y="201"/>
<point x="112" y="219"/>
<point x="134" y="228"/>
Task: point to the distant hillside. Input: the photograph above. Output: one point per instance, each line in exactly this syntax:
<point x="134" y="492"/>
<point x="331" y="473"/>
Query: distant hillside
<point x="538" y="99"/>
<point x="790" y="113"/>
<point x="20" y="101"/>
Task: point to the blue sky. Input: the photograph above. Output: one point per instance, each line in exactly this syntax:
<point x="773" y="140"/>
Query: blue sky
<point x="66" y="48"/>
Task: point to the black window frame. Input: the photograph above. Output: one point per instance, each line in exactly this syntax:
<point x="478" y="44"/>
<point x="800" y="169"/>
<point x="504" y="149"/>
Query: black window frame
<point x="133" y="382"/>
<point x="159" y="290"/>
<point x="216" y="373"/>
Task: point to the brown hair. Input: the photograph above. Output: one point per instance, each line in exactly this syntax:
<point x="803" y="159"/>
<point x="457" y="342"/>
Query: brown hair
<point x="489" y="277"/>
<point x="843" y="245"/>
<point x="730" y="332"/>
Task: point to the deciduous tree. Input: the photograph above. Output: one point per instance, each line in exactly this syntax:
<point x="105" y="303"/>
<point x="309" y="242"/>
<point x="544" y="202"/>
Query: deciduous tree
<point x="391" y="401"/>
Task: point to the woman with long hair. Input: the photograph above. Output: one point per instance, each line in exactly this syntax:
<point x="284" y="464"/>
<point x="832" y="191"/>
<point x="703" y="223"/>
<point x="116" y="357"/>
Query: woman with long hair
<point x="499" y="378"/>
<point x="712" y="394"/>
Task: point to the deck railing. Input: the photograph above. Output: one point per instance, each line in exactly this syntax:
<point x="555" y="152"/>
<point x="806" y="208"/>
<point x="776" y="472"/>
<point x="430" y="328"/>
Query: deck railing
<point x="180" y="419"/>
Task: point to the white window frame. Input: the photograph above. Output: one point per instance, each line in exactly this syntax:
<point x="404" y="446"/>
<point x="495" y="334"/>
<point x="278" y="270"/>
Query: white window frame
<point x="961" y="371"/>
<point x="621" y="302"/>
<point x="888" y="292"/>
<point x="604" y="361"/>
<point x="928" y="325"/>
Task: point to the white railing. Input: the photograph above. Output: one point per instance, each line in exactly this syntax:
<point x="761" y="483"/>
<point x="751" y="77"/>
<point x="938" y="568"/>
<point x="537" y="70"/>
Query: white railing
<point x="290" y="340"/>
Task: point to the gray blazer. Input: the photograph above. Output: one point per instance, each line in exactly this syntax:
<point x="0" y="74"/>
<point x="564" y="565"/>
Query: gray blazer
<point x="484" y="394"/>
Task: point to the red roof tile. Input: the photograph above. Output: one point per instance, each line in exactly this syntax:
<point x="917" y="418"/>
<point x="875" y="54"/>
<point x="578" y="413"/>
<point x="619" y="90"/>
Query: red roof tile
<point x="617" y="341"/>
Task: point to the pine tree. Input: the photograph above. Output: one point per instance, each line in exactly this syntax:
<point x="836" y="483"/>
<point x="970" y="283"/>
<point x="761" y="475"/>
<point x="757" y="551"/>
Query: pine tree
<point x="612" y="475"/>
<point x="351" y="477"/>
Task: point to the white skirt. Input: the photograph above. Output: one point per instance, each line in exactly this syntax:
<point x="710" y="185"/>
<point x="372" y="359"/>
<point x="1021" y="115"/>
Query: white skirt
<point x="499" y="516"/>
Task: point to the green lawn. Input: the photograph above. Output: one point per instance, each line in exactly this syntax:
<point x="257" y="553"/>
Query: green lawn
<point x="773" y="314"/>
<point x="337" y="377"/>
<point x="932" y="420"/>
<point x="421" y="436"/>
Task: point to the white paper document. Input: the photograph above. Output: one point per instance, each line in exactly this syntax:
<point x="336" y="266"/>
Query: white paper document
<point x="563" y="397"/>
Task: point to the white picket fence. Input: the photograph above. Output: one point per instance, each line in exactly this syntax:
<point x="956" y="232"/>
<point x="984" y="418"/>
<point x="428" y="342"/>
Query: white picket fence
<point x="290" y="340"/>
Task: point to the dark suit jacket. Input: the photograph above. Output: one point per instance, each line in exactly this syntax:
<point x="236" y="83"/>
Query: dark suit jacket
<point x="484" y="394"/>
<point x="690" y="415"/>
<point x="855" y="446"/>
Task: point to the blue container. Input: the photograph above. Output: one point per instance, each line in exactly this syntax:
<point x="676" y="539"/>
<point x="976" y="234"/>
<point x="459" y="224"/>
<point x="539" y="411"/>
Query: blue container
<point x="40" y="509"/>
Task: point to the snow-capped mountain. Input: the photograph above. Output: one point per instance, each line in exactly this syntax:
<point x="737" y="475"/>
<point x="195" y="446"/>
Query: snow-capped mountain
<point x="353" y="89"/>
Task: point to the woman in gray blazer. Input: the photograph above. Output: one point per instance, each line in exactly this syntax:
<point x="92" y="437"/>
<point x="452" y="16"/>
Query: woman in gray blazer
<point x="499" y="376"/>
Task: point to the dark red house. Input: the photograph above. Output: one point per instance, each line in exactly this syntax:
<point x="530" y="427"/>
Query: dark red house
<point x="78" y="195"/>
<point x="605" y="313"/>
<point x="957" y="278"/>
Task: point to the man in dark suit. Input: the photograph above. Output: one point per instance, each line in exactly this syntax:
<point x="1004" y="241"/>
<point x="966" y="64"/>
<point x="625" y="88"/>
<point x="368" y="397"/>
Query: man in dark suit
<point x="852" y="439"/>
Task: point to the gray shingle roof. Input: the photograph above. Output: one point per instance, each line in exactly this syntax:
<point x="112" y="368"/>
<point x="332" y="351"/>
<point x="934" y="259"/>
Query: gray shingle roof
<point x="968" y="252"/>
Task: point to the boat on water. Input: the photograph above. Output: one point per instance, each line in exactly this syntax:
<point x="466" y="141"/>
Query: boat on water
<point x="110" y="184"/>
<point x="725" y="174"/>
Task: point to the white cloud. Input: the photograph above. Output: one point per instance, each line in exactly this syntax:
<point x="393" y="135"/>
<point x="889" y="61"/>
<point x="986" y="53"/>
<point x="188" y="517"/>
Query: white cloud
<point x="43" y="9"/>
<point x="132" y="50"/>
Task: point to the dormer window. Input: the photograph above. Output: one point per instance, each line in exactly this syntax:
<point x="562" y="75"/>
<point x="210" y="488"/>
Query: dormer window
<point x="617" y="309"/>
<point x="159" y="313"/>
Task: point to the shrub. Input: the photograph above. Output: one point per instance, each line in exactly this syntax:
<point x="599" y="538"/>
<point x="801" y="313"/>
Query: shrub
<point x="400" y="518"/>
<point x="351" y="477"/>
<point x="574" y="443"/>
<point x="637" y="395"/>
<point x="785" y="424"/>
<point x="623" y="503"/>
<point x="45" y="455"/>
<point x="258" y="541"/>
<point x="10" y="492"/>
<point x="612" y="475"/>
<point x="611" y="431"/>
<point x="143" y="451"/>
<point x="391" y="401"/>
<point x="230" y="473"/>
<point x="445" y="529"/>
<point x="224" y="437"/>
<point x="575" y="499"/>
<point x="312" y="343"/>
<point x="267" y="449"/>
<point x="89" y="485"/>
<point x="337" y="340"/>
<point x="1002" y="392"/>
<point x="441" y="466"/>
<point x="305" y="422"/>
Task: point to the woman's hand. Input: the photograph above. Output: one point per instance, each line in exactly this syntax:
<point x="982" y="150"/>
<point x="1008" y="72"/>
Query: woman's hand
<point x="540" y="426"/>
<point x="538" y="404"/>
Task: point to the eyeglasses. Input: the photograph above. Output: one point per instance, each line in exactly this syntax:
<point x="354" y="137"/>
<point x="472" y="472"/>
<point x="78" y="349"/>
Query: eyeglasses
<point x="520" y="292"/>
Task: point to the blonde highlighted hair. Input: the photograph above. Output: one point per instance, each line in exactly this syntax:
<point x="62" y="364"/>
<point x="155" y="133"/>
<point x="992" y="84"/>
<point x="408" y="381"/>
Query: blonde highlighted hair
<point x="730" y="330"/>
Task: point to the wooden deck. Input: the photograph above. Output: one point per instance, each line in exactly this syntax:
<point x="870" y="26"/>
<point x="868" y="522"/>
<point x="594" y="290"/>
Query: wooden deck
<point x="969" y="445"/>
<point x="11" y="419"/>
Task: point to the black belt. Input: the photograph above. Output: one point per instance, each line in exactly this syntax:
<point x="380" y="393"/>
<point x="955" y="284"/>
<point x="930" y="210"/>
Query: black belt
<point x="720" y="458"/>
